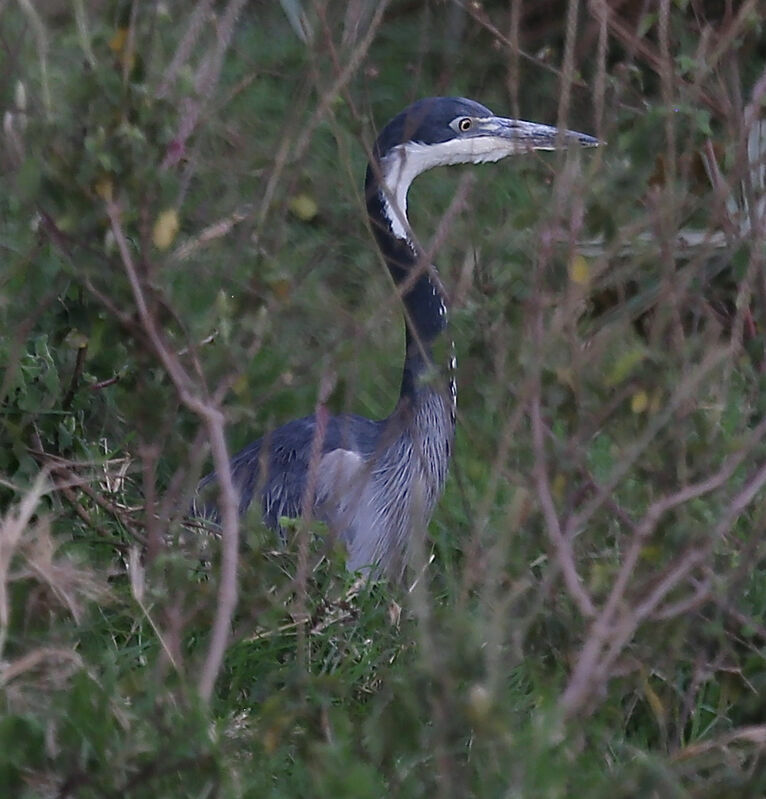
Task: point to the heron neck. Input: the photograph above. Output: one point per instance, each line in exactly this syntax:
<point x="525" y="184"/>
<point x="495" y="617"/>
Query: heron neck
<point x="425" y="311"/>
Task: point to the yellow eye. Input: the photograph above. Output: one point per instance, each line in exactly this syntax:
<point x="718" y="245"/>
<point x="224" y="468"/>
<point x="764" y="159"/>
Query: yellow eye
<point x="464" y="124"/>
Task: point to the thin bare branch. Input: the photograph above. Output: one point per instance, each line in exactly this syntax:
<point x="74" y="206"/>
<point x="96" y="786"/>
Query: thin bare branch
<point x="562" y="547"/>
<point x="214" y="422"/>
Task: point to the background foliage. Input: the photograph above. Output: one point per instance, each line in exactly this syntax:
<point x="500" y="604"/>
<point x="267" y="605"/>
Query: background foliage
<point x="183" y="231"/>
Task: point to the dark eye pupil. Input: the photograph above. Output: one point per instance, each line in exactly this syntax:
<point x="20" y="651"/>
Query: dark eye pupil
<point x="465" y="124"/>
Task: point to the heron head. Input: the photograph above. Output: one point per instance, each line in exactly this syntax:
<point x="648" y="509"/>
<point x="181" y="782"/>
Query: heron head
<point x="439" y="131"/>
<point x="454" y="130"/>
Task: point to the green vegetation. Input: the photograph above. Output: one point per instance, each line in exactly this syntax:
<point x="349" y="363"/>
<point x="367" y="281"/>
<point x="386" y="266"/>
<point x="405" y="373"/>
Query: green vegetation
<point x="182" y="231"/>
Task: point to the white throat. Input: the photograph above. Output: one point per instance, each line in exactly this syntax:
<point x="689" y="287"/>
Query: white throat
<point x="406" y="161"/>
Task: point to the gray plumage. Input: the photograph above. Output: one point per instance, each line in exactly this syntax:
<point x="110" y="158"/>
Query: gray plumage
<point x="376" y="483"/>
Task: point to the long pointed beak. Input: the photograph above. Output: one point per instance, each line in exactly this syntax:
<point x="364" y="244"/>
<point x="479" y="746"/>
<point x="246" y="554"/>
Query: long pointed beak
<point x="525" y="136"/>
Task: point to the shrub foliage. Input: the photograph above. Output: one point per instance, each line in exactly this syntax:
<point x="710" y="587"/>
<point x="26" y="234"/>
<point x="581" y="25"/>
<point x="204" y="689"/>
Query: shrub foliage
<point x="186" y="264"/>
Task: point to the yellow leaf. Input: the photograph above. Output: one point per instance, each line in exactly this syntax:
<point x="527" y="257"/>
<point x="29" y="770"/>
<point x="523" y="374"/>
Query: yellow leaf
<point x="639" y="402"/>
<point x="565" y="376"/>
<point x="118" y="45"/>
<point x="65" y="223"/>
<point x="519" y="508"/>
<point x="479" y="703"/>
<point x="117" y="42"/>
<point x="558" y="487"/>
<point x="20" y="96"/>
<point x="271" y="739"/>
<point x="579" y="270"/>
<point x="654" y="702"/>
<point x="303" y="206"/>
<point x="76" y="339"/>
<point x="656" y="401"/>
<point x="652" y="554"/>
<point x="600" y="576"/>
<point x="104" y="188"/>
<point x="165" y="229"/>
<point x="624" y="365"/>
<point x="240" y="386"/>
<point x="281" y="288"/>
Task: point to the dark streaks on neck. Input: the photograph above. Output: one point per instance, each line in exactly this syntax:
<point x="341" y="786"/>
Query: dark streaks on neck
<point x="425" y="311"/>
